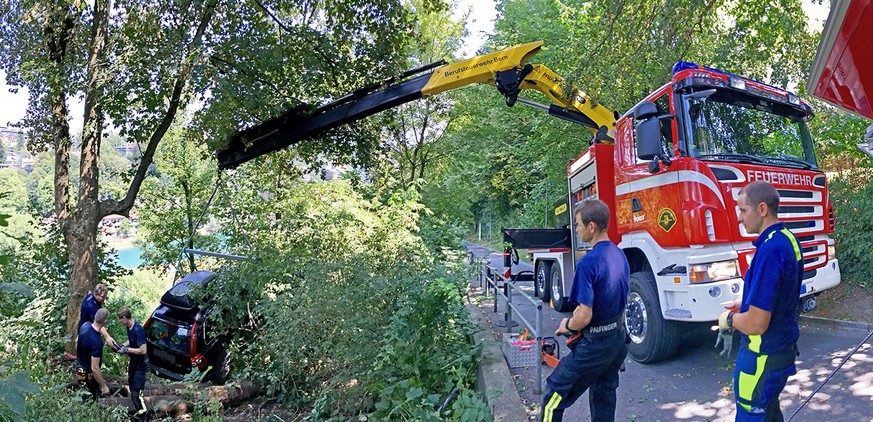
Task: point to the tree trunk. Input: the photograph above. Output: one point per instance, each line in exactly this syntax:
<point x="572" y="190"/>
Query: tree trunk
<point x="80" y="231"/>
<point x="58" y="28"/>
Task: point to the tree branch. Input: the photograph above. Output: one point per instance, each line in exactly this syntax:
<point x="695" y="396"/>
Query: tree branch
<point x="254" y="77"/>
<point x="123" y="207"/>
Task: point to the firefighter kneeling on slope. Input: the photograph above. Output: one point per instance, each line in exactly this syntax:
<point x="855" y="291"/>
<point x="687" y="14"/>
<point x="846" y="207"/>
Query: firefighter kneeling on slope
<point x="598" y="340"/>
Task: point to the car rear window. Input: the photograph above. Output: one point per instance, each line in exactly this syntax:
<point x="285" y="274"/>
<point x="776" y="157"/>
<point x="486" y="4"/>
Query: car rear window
<point x="170" y="336"/>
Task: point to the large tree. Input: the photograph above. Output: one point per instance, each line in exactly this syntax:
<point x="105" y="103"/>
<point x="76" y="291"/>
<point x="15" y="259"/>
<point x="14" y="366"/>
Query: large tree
<point x="131" y="62"/>
<point x="138" y="63"/>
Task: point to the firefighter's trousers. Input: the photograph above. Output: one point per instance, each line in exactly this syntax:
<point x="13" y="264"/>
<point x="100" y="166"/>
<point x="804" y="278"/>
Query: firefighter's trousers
<point x="758" y="380"/>
<point x="594" y="363"/>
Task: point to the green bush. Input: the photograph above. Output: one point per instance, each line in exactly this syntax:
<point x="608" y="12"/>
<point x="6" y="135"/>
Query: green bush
<point x="852" y="196"/>
<point x="345" y="312"/>
<point x="34" y="285"/>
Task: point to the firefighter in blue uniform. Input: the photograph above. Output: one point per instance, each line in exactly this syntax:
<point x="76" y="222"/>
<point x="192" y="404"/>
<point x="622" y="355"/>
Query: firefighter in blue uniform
<point x="135" y="348"/>
<point x="92" y="302"/>
<point x="766" y="317"/>
<point x="89" y="355"/>
<point x="598" y="342"/>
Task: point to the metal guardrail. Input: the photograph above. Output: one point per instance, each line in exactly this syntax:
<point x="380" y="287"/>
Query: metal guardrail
<point x="490" y="278"/>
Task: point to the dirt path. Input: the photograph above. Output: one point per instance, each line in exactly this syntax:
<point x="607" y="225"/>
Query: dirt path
<point x="846" y="302"/>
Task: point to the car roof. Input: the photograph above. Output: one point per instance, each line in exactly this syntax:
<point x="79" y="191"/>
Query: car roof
<point x="177" y="297"/>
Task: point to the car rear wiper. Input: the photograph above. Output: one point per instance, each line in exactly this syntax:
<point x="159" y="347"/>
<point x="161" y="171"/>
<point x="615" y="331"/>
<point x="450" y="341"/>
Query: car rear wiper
<point x="729" y="156"/>
<point x="791" y="160"/>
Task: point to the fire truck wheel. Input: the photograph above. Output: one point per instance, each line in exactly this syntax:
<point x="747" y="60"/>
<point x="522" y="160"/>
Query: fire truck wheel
<point x="559" y="302"/>
<point x="541" y="284"/>
<point x="652" y="337"/>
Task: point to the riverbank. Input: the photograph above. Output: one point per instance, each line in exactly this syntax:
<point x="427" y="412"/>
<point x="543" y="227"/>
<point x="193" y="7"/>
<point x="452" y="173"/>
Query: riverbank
<point x="120" y="243"/>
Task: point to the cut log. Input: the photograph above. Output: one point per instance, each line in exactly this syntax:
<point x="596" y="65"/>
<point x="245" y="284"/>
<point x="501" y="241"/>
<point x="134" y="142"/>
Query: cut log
<point x="166" y="405"/>
<point x="175" y="401"/>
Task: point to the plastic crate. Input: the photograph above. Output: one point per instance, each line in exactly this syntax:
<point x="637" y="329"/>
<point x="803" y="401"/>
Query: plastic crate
<point x="520" y="353"/>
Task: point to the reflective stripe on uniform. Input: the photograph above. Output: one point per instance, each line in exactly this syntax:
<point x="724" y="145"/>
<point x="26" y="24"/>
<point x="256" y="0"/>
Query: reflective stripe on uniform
<point x="142" y="402"/>
<point x="755" y="343"/>
<point x="748" y="382"/>
<point x="551" y="406"/>
<point x="793" y="241"/>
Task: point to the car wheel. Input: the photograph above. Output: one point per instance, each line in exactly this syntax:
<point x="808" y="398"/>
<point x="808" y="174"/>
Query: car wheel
<point x="559" y="302"/>
<point x="541" y="284"/>
<point x="652" y="337"/>
<point x="221" y="367"/>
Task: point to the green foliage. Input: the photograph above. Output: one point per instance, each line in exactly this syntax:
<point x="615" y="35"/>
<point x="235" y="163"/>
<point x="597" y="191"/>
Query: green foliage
<point x="287" y="54"/>
<point x="12" y="393"/>
<point x="35" y="293"/>
<point x="344" y="301"/>
<point x="174" y="198"/>
<point x="852" y="196"/>
<point x="837" y="133"/>
<point x="14" y="196"/>
<point x="29" y="374"/>
<point x="425" y="349"/>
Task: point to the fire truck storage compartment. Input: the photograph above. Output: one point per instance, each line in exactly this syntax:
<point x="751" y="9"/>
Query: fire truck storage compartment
<point x="537" y="238"/>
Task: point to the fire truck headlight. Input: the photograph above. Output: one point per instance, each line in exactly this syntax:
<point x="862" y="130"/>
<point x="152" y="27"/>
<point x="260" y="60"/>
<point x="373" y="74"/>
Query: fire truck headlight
<point x="832" y="253"/>
<point x="715" y="271"/>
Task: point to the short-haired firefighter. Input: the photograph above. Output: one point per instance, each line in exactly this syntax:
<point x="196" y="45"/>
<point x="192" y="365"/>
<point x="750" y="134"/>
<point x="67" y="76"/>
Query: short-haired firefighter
<point x="135" y="348"/>
<point x="766" y="316"/>
<point x="598" y="342"/>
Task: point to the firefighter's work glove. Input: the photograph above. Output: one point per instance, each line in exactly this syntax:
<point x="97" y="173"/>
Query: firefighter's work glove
<point x="723" y="321"/>
<point x="122" y="350"/>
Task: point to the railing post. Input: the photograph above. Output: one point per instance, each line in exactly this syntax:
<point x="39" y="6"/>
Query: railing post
<point x="507" y="291"/>
<point x="540" y="336"/>
<point x="507" y="313"/>
<point x="494" y="286"/>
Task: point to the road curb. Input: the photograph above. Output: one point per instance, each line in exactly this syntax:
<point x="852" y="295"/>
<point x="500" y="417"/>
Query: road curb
<point x="834" y="324"/>
<point x="494" y="381"/>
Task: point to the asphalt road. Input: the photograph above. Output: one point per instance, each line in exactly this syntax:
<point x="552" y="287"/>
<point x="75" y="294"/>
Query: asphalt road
<point x="696" y="384"/>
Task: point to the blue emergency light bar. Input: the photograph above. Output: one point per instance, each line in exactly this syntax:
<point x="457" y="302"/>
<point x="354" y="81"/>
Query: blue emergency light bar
<point x="680" y="66"/>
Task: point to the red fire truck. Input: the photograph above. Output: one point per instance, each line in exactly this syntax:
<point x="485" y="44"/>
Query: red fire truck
<point x="671" y="181"/>
<point x="669" y="169"/>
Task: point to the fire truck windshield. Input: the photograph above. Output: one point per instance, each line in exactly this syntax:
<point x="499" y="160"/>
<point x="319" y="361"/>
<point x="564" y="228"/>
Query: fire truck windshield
<point x="726" y="125"/>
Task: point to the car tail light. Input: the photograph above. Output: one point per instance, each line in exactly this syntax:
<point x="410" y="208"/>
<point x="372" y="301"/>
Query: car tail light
<point x="198" y="362"/>
<point x="193" y="340"/>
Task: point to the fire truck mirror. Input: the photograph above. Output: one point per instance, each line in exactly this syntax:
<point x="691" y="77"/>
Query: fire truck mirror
<point x="648" y="139"/>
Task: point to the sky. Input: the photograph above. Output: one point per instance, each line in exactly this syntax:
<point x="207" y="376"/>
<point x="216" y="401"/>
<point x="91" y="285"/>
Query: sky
<point x="479" y="24"/>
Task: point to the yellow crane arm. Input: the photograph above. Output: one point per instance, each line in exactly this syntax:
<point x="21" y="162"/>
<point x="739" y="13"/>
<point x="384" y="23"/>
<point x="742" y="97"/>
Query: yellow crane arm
<point x="506" y="69"/>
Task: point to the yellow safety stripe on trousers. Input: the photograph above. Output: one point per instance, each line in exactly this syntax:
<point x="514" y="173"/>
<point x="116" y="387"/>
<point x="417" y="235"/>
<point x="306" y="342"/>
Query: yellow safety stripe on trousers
<point x="755" y="343"/>
<point x="551" y="406"/>
<point x="142" y="402"/>
<point x="748" y="382"/>
<point x="793" y="242"/>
